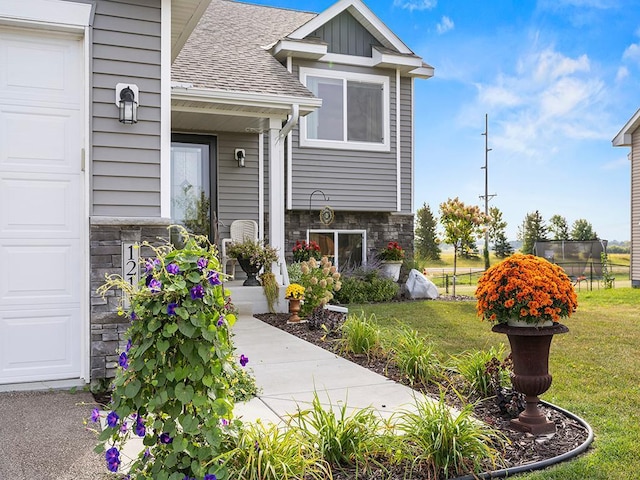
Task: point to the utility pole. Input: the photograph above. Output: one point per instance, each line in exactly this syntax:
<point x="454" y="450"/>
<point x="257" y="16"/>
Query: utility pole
<point x="486" y="195"/>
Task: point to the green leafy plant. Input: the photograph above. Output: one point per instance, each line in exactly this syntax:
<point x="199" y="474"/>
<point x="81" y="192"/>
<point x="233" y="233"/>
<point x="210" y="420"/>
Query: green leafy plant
<point x="174" y="387"/>
<point x="447" y="443"/>
<point x="254" y="251"/>
<point x="608" y="278"/>
<point x="341" y="439"/>
<point x="319" y="280"/>
<point x="360" y="336"/>
<point x="415" y="357"/>
<point x="265" y="452"/>
<point x="473" y="366"/>
<point x="366" y="285"/>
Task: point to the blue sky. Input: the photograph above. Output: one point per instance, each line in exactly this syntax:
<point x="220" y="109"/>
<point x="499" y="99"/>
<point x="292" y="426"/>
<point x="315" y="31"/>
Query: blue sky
<point x="558" y="79"/>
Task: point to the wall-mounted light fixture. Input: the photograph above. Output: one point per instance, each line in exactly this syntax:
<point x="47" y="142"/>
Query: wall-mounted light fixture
<point x="127" y="102"/>
<point x="240" y="156"/>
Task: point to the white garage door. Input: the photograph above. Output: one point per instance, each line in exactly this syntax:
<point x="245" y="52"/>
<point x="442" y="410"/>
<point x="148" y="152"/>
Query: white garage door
<point x="41" y="205"/>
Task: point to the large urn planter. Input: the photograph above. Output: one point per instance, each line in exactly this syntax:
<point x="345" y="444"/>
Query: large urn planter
<point x="251" y="270"/>
<point x="294" y="310"/>
<point x="530" y="347"/>
<point x="391" y="269"/>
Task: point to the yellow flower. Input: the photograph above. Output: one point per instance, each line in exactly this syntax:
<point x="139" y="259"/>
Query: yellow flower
<point x="294" y="291"/>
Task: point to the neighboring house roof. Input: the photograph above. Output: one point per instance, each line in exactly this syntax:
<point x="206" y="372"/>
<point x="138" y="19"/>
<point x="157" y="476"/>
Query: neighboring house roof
<point x="228" y="50"/>
<point x="623" y="138"/>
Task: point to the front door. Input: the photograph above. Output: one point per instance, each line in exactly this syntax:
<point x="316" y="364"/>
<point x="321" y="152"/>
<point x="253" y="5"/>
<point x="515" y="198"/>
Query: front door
<point x="41" y="205"/>
<point x="193" y="182"/>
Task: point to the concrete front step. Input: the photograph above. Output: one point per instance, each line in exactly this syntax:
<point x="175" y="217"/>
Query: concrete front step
<point x="252" y="300"/>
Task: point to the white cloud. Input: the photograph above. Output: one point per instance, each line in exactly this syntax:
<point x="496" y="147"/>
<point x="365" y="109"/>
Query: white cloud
<point x="623" y="72"/>
<point x="548" y="100"/>
<point x="632" y="53"/>
<point x="445" y="25"/>
<point x="412" y="5"/>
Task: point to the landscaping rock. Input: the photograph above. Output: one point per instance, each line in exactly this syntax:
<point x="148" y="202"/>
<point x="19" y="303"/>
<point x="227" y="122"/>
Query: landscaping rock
<point x="419" y="286"/>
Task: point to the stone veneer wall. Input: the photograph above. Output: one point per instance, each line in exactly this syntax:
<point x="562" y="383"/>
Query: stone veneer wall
<point x="381" y="228"/>
<point x="107" y="328"/>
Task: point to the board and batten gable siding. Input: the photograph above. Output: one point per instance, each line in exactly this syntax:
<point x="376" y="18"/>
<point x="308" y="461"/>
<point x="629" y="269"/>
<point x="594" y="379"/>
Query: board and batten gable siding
<point x="635" y="208"/>
<point x="126" y="158"/>
<point x="346" y="36"/>
<point x="238" y="191"/>
<point x="357" y="180"/>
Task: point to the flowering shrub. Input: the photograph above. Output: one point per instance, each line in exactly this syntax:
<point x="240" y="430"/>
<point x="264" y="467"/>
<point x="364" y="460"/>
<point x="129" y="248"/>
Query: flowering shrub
<point x="303" y="251"/>
<point x="254" y="251"/>
<point x="294" y="291"/>
<point x="176" y="377"/>
<point x="392" y="252"/>
<point x="526" y="287"/>
<point x="319" y="280"/>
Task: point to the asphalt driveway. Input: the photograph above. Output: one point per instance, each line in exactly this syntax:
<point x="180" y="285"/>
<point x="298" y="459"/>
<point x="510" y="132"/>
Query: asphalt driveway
<point x="42" y="436"/>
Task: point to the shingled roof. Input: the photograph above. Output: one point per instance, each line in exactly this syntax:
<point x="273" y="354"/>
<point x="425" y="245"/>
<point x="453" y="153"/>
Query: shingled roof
<point x="228" y="50"/>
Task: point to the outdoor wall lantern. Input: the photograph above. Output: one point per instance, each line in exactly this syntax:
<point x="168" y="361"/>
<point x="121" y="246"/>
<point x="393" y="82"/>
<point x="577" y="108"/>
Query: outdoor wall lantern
<point x="240" y="156"/>
<point x="127" y="102"/>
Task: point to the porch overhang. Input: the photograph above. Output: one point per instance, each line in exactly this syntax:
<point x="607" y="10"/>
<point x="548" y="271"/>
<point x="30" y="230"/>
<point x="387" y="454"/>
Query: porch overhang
<point x="231" y="110"/>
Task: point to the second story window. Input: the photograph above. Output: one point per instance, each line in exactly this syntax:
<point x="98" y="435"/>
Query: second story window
<point x="354" y="113"/>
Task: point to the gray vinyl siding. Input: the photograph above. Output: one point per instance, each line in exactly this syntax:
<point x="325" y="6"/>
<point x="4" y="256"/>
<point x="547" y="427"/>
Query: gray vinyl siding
<point x="635" y="207"/>
<point x="126" y="158"/>
<point x="357" y="180"/>
<point x="238" y="187"/>
<point x="346" y="36"/>
<point x="406" y="145"/>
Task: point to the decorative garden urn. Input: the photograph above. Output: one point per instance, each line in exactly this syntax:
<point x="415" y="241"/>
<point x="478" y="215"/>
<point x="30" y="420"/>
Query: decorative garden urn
<point x="530" y="354"/>
<point x="294" y="309"/>
<point x="251" y="270"/>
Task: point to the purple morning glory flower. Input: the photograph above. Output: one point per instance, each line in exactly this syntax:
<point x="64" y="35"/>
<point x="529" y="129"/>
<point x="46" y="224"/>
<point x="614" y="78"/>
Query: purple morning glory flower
<point x="173" y="269"/>
<point x="112" y="419"/>
<point x="113" y="459"/>
<point x="147" y="453"/>
<point x="214" y="278"/>
<point x="165" y="438"/>
<point x="140" y="429"/>
<point x="123" y="428"/>
<point x="220" y="321"/>
<point x="133" y="315"/>
<point x="210" y="476"/>
<point x="171" y="308"/>
<point x="123" y="360"/>
<point x="150" y="265"/>
<point x="95" y="415"/>
<point x="128" y="347"/>
<point x="243" y="360"/>
<point x="197" y="292"/>
<point x="202" y="263"/>
<point x="155" y="285"/>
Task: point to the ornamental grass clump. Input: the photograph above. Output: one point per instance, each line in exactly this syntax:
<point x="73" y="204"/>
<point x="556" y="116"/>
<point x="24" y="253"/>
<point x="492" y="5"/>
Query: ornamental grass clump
<point x="525" y="287"/>
<point x="176" y="380"/>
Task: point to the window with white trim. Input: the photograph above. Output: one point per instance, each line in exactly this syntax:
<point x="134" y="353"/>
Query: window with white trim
<point x="345" y="248"/>
<point x="354" y="113"/>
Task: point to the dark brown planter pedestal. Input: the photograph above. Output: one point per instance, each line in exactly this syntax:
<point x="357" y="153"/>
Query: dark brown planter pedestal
<point x="530" y="353"/>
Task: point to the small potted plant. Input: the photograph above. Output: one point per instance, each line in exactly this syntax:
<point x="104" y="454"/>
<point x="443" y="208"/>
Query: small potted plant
<point x="303" y="251"/>
<point x="526" y="296"/>
<point x="295" y="294"/>
<point x="252" y="256"/>
<point x="391" y="259"/>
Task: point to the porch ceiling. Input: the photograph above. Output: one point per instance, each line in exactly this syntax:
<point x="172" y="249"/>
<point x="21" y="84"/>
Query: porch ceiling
<point x="207" y="121"/>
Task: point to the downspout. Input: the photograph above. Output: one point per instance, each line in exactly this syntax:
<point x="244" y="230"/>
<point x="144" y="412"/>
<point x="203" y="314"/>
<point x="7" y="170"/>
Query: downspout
<point x="291" y="123"/>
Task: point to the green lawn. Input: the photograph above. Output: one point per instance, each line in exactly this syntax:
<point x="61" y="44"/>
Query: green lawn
<point x="595" y="368"/>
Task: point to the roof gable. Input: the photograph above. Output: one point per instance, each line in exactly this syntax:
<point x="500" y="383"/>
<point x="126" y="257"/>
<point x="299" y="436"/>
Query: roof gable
<point x="623" y="138"/>
<point x="343" y="34"/>
<point x="360" y="12"/>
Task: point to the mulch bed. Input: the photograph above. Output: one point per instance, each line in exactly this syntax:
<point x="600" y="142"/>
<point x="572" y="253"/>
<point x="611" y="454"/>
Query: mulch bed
<point x="523" y="448"/>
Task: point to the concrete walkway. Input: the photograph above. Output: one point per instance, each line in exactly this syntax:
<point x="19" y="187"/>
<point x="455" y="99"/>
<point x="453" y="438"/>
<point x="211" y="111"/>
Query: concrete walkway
<point x="289" y="370"/>
<point x="42" y="434"/>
